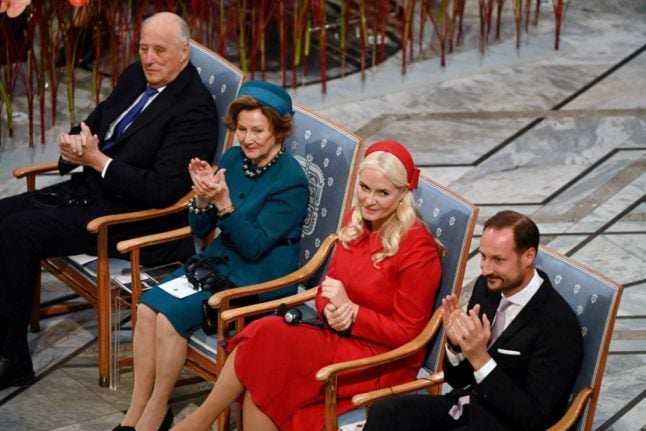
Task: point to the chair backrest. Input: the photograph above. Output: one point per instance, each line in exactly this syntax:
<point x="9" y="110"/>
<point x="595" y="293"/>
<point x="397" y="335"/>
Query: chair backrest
<point x="595" y="300"/>
<point x="451" y="219"/>
<point x="330" y="156"/>
<point x="223" y="80"/>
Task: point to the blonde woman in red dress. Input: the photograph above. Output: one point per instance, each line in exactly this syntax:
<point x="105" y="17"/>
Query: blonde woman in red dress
<point x="377" y="294"/>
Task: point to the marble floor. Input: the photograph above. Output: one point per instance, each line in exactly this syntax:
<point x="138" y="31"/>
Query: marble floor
<point x="558" y="135"/>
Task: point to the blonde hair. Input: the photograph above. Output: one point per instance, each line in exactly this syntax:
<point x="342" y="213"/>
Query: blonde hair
<point x="399" y="222"/>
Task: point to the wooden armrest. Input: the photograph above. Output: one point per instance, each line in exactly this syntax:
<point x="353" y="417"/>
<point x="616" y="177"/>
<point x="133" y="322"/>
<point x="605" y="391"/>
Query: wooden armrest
<point x="407" y="349"/>
<point x="367" y="398"/>
<point x="263" y="307"/>
<point x="95" y="224"/>
<point x="126" y="246"/>
<point x="24" y="171"/>
<point x="574" y="411"/>
<point x="100" y="222"/>
<point x="302" y="273"/>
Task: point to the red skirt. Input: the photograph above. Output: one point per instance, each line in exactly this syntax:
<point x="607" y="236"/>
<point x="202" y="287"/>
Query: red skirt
<point x="277" y="364"/>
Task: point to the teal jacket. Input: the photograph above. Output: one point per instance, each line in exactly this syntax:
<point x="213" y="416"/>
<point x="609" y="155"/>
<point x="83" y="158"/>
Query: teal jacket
<point x="260" y="238"/>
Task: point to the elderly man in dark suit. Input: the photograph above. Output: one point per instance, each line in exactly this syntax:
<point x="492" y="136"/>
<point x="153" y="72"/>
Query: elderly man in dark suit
<point x="134" y="149"/>
<point x="513" y="371"/>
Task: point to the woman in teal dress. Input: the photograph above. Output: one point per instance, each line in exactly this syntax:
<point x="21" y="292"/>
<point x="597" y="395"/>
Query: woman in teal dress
<point x="258" y="200"/>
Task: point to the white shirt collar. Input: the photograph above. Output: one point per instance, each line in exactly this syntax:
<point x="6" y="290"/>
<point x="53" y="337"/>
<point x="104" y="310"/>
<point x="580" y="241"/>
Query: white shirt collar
<point x="522" y="297"/>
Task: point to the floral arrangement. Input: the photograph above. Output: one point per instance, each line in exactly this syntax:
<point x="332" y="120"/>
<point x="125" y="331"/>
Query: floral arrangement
<point x="288" y="38"/>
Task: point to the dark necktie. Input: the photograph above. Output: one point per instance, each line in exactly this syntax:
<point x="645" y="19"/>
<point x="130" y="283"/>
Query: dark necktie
<point x="500" y="319"/>
<point x="129" y="117"/>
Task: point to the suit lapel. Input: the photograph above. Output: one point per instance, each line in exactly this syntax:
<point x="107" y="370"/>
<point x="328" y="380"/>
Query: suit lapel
<point x="161" y="103"/>
<point x="526" y="315"/>
<point x="152" y="111"/>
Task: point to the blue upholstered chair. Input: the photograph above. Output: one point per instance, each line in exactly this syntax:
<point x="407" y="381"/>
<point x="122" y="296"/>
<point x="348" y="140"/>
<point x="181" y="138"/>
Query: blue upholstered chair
<point x="89" y="276"/>
<point x="330" y="157"/>
<point x="451" y="219"/>
<point x="595" y="300"/>
<point x="223" y="80"/>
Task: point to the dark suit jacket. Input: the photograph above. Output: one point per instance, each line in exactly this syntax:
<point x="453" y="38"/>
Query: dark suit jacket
<point x="150" y="160"/>
<point x="538" y="357"/>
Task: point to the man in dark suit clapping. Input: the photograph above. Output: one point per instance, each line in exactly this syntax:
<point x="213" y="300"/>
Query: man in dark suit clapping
<point x="134" y="149"/>
<point x="512" y="357"/>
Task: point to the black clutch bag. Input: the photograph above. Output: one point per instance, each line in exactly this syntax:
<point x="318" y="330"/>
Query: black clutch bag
<point x="203" y="274"/>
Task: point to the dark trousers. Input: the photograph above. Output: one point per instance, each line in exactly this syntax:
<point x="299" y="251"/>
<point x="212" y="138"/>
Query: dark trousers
<point x="28" y="234"/>
<point x="415" y="413"/>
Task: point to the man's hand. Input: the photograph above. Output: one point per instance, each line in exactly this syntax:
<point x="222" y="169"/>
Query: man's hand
<point x="451" y="310"/>
<point x="82" y="149"/>
<point x="472" y="335"/>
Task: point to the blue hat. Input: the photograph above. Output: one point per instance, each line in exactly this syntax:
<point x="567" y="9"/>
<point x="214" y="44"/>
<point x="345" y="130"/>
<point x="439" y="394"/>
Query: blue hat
<point x="268" y="94"/>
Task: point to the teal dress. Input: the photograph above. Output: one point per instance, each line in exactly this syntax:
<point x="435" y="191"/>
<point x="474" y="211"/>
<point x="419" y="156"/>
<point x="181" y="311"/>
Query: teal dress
<point x="259" y="240"/>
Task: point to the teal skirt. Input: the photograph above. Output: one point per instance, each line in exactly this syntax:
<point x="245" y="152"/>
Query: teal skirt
<point x="184" y="314"/>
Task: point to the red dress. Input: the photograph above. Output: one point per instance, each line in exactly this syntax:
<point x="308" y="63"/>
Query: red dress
<point x="277" y="362"/>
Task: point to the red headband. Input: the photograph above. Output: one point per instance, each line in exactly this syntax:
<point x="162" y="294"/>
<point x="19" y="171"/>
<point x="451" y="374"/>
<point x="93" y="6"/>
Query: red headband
<point x="399" y="151"/>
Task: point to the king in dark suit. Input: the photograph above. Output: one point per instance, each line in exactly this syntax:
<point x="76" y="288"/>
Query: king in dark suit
<point x="134" y="154"/>
<point x="510" y="372"/>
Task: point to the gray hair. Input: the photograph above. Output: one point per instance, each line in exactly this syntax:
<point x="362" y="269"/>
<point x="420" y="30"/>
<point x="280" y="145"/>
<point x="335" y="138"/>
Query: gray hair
<point x="184" y="32"/>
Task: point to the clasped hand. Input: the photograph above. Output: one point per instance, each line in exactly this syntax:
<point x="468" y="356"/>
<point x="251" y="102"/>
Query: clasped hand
<point x="467" y="330"/>
<point x="209" y="187"/>
<point x="340" y="313"/>
<point x="82" y="149"/>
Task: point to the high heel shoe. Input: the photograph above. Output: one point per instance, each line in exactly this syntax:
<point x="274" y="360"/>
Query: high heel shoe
<point x="167" y="422"/>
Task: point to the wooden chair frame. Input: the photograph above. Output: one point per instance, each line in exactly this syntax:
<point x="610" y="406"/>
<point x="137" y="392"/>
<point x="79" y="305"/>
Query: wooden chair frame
<point x="205" y="367"/>
<point x="584" y="402"/>
<point x="329" y="374"/>
<point x="98" y="293"/>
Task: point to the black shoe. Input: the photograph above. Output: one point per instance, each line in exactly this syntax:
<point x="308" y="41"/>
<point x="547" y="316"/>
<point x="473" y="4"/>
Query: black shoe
<point x="15" y="373"/>
<point x="167" y="422"/>
<point x="165" y="425"/>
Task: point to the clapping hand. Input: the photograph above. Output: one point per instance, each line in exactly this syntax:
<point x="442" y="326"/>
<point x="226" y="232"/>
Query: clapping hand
<point x="208" y="187"/>
<point x="82" y="149"/>
<point x="467" y="330"/>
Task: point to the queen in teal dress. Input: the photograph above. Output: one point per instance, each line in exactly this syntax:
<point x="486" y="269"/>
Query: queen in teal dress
<point x="259" y="240"/>
<point x="257" y="199"/>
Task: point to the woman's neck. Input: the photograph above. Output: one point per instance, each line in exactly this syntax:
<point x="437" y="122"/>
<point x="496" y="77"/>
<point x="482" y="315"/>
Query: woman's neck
<point x="262" y="161"/>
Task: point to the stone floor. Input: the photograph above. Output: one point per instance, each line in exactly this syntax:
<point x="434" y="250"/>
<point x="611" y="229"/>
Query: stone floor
<point x="558" y="135"/>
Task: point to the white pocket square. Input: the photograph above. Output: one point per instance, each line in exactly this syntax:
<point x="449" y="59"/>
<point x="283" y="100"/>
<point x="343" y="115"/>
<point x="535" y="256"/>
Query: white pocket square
<point x="509" y="352"/>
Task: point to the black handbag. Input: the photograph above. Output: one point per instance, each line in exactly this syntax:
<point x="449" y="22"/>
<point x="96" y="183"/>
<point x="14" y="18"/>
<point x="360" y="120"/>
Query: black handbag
<point x="70" y="193"/>
<point x="203" y="274"/>
<point x="209" y="318"/>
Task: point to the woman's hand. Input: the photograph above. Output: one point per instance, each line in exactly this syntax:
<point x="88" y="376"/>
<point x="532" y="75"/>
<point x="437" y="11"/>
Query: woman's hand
<point x="340" y="318"/>
<point x="209" y="187"/>
<point x="334" y="290"/>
